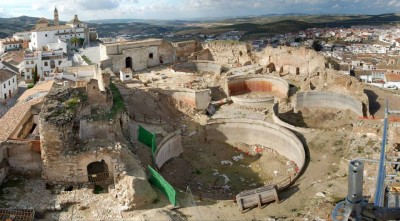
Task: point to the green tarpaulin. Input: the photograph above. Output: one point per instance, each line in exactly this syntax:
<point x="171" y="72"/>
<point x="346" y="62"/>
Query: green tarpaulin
<point x="147" y="138"/>
<point x="159" y="181"/>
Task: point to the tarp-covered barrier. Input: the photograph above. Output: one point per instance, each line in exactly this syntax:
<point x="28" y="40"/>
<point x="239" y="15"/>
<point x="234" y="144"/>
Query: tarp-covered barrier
<point x="159" y="181"/>
<point x="147" y="138"/>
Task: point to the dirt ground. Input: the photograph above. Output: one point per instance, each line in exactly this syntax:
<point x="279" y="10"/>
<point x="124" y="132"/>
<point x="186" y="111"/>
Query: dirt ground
<point x="321" y="118"/>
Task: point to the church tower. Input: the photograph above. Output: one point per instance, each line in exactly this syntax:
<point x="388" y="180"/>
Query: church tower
<point x="56" y="20"/>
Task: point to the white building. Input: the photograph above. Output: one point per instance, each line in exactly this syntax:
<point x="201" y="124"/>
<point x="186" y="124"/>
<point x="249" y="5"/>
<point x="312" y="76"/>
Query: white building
<point x="9" y="44"/>
<point x="22" y="36"/>
<point x="125" y="74"/>
<point x="8" y="84"/>
<point x="44" y="33"/>
<point x="45" y="61"/>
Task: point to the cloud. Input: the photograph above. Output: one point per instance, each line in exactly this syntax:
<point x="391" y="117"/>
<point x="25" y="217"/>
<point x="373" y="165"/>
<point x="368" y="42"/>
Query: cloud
<point x="98" y="4"/>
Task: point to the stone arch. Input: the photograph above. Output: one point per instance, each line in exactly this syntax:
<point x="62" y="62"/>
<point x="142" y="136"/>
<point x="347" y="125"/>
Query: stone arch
<point x="98" y="171"/>
<point x="128" y="62"/>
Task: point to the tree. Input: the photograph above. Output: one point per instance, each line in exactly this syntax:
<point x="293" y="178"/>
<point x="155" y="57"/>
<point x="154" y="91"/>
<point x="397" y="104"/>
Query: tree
<point x="74" y="40"/>
<point x="317" y="46"/>
<point x="35" y="75"/>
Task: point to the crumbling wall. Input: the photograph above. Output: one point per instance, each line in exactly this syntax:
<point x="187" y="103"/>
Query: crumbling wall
<point x="228" y="52"/>
<point x="21" y="157"/>
<point x="198" y="99"/>
<point x="166" y="53"/>
<point x="185" y="48"/>
<point x="289" y="60"/>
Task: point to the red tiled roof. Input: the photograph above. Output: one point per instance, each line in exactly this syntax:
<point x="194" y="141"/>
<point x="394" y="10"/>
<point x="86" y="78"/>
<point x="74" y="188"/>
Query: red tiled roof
<point x="392" y="77"/>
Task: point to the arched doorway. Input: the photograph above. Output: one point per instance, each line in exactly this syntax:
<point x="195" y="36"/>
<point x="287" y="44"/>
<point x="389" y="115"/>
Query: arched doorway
<point x="161" y="60"/>
<point x="128" y="62"/>
<point x="98" y="171"/>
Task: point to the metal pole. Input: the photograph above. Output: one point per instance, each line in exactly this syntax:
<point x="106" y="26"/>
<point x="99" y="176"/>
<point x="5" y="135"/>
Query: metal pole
<point x="355" y="188"/>
<point x="379" y="193"/>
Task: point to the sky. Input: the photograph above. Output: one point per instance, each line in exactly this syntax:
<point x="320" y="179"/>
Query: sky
<point x="188" y="9"/>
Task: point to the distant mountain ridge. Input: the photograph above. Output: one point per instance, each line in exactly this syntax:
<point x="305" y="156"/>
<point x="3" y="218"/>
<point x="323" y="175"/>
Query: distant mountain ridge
<point x="252" y="25"/>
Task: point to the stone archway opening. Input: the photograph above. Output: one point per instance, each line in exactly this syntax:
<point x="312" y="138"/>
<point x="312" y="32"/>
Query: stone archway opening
<point x="98" y="171"/>
<point x="128" y="62"/>
<point x="161" y="60"/>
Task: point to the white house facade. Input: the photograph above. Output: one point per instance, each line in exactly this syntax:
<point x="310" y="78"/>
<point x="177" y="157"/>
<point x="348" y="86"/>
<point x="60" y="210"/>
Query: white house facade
<point x="9" y="84"/>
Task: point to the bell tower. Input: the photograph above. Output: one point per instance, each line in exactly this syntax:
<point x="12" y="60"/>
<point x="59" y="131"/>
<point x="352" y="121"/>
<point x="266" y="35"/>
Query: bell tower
<point x="56" y="20"/>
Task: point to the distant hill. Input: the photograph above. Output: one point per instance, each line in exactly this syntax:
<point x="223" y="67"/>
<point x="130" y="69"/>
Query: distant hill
<point x="253" y="26"/>
<point x="8" y="26"/>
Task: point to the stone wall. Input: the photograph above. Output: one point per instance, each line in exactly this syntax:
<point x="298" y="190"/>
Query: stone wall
<point x="169" y="147"/>
<point x="143" y="54"/>
<point x="291" y="60"/>
<point x="21" y="157"/>
<point x="322" y="99"/>
<point x="229" y="52"/>
<point x="198" y="99"/>
<point x="185" y="48"/>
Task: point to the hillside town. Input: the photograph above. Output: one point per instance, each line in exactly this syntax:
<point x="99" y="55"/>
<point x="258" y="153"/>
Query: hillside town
<point x="288" y="127"/>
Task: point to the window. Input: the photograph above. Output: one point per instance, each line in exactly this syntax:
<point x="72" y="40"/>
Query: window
<point x="5" y="96"/>
<point x="45" y="35"/>
<point x="13" y="80"/>
<point x="9" y="82"/>
<point x="127" y="76"/>
<point x="94" y="87"/>
<point x="59" y="62"/>
<point x="4" y="85"/>
<point x="151" y="55"/>
<point x="28" y="77"/>
<point x="26" y="62"/>
<point x="32" y="62"/>
<point x="46" y="63"/>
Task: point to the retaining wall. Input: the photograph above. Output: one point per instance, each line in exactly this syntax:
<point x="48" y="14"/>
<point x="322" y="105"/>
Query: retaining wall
<point x="168" y="148"/>
<point x="197" y="99"/>
<point x="327" y="99"/>
<point x="277" y="120"/>
<point x="254" y="132"/>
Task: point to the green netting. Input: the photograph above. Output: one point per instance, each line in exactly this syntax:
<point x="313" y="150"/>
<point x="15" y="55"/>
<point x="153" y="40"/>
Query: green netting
<point x="147" y="138"/>
<point x="157" y="180"/>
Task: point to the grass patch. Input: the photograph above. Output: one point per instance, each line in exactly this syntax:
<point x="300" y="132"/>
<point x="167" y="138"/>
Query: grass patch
<point x="87" y="60"/>
<point x="118" y="102"/>
<point x="71" y="103"/>
<point x="30" y="85"/>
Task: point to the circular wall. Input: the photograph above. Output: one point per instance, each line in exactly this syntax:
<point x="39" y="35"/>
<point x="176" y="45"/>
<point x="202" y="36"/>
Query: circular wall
<point x="245" y="84"/>
<point x="263" y="133"/>
<point x="328" y="99"/>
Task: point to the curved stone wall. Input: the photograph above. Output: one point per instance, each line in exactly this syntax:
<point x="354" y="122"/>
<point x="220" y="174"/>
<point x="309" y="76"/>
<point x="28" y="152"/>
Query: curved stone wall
<point x="253" y="102"/>
<point x="253" y="132"/>
<point x="169" y="147"/>
<point x="243" y="84"/>
<point x="327" y="99"/>
<point x="198" y="66"/>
